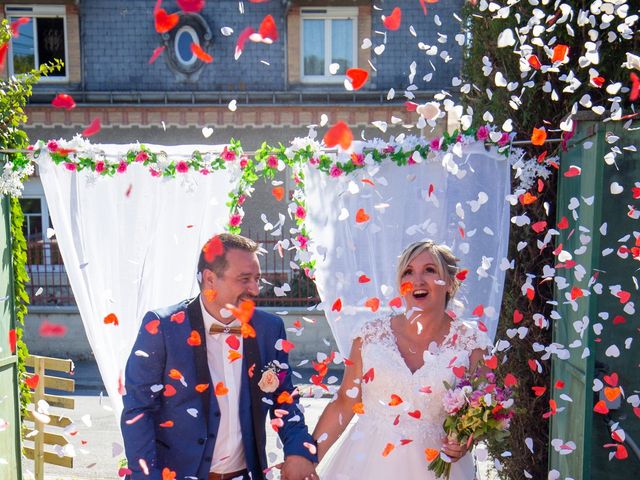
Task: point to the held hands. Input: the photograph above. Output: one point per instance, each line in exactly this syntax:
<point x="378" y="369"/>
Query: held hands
<point x="297" y="467"/>
<point x="454" y="450"/>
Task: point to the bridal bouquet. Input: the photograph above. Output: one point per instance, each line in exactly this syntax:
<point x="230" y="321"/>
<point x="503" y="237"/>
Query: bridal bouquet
<point x="477" y="409"/>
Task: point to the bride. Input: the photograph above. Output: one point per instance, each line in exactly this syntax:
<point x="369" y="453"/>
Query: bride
<point x="394" y="380"/>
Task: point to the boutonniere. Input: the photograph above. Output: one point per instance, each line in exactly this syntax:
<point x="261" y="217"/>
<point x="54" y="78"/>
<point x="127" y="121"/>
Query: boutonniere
<point x="272" y="376"/>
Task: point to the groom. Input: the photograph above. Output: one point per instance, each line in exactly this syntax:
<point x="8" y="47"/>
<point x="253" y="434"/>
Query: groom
<point x="198" y="391"/>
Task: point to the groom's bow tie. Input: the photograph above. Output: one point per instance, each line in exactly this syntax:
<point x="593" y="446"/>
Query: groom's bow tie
<point x="216" y="329"/>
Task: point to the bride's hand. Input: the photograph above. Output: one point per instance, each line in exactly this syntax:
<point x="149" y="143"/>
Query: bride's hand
<point x="454" y="450"/>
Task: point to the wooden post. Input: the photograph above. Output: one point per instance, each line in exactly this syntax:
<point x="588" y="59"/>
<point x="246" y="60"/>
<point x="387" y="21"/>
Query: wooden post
<point x="38" y="395"/>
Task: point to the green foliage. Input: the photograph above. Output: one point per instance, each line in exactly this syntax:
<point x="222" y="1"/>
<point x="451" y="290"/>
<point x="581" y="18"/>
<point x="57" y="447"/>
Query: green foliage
<point x="483" y="30"/>
<point x="20" y="278"/>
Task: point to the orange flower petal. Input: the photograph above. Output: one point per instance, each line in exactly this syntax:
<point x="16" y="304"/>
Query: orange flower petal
<point x="339" y="134"/>
<point x="431" y="454"/>
<point x="388" y="449"/>
<point x="278" y="193"/>
<point x="362" y="216"/>
<point x="111" y="318"/>
<point x="200" y="53"/>
<point x="194" y="339"/>
<point x="221" y="389"/>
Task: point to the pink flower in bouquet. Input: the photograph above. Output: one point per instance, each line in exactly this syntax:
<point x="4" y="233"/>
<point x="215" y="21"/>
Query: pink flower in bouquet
<point x="244" y="161"/>
<point x="411" y="161"/>
<point x="241" y="199"/>
<point x="52" y="145"/>
<point x="100" y="166"/>
<point x="357" y="159"/>
<point x="228" y="155"/>
<point x="272" y="161"/>
<point x="235" y="220"/>
<point x="314" y="161"/>
<point x="453" y="400"/>
<point x="70" y="166"/>
<point x="335" y="171"/>
<point x="483" y="133"/>
<point x="142" y="156"/>
<point x="204" y="171"/>
<point x="154" y="172"/>
<point x="389" y="149"/>
<point x="504" y="139"/>
<point x="122" y="166"/>
<point x="435" y="144"/>
<point x="459" y="138"/>
<point x="302" y="240"/>
<point x="182" y="167"/>
<point x="301" y="213"/>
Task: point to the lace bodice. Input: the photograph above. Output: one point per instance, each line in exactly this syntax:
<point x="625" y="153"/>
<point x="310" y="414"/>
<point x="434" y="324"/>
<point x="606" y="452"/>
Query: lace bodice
<point x="420" y="412"/>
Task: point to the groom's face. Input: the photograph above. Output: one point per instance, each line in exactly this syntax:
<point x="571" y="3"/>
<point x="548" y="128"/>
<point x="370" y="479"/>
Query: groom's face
<point x="240" y="280"/>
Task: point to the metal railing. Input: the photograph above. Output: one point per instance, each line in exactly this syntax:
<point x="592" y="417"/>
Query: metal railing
<point x="49" y="284"/>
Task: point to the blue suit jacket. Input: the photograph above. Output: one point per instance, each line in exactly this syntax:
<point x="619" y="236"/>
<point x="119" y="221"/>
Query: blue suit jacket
<point x="167" y="425"/>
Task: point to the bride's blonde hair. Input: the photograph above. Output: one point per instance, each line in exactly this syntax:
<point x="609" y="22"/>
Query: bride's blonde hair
<point x="446" y="263"/>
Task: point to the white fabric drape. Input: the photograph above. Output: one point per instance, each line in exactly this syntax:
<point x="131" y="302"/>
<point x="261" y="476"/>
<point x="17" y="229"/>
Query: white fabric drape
<point x="466" y="210"/>
<point x="130" y="243"/>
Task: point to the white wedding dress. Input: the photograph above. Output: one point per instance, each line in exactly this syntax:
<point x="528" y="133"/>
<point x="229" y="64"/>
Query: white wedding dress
<point x="405" y="430"/>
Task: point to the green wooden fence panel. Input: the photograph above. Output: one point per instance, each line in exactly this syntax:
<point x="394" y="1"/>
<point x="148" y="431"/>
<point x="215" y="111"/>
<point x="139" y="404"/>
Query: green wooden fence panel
<point x="10" y="466"/>
<point x="598" y="205"/>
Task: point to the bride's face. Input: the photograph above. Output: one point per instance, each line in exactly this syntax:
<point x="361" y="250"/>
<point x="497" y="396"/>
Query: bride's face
<point x="428" y="287"/>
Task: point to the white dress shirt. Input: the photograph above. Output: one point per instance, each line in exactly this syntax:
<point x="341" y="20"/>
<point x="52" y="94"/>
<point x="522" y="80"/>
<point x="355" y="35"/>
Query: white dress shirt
<point x="228" y="453"/>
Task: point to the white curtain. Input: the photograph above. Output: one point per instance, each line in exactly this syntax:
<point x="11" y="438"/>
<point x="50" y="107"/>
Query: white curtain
<point x="457" y="198"/>
<point x="130" y="243"/>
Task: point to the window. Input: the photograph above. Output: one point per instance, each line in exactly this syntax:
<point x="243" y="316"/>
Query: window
<point x="185" y="36"/>
<point x="40" y="250"/>
<point x="33" y="226"/>
<point x="328" y="36"/>
<point x="191" y="28"/>
<point x="41" y="40"/>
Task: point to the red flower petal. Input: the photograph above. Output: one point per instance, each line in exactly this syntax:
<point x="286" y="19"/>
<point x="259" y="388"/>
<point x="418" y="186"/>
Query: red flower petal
<point x="635" y="87"/>
<point x="358" y="77"/>
<point x="194" y="6"/>
<point x="337" y="305"/>
<point x="165" y="22"/>
<point x="534" y="62"/>
<point x="268" y="28"/>
<point x="12" y="340"/>
<point x="392" y="22"/>
<point x="93" y="128"/>
<point x="62" y="100"/>
<point x="3" y="55"/>
<point x="156" y="53"/>
<point x="560" y="53"/>
<point x="242" y="38"/>
<point x="32" y="381"/>
<point x="15" y="26"/>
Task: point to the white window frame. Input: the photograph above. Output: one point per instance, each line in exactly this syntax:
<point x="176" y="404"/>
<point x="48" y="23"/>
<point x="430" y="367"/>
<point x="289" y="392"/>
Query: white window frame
<point x="194" y="38"/>
<point x="41" y="11"/>
<point x="328" y="14"/>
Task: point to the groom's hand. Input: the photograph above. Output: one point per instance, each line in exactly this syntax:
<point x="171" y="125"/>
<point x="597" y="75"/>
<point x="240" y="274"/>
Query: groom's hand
<point x="297" y="467"/>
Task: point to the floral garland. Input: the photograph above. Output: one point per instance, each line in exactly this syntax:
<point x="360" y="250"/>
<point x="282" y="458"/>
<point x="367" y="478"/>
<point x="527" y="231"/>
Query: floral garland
<point x="404" y="150"/>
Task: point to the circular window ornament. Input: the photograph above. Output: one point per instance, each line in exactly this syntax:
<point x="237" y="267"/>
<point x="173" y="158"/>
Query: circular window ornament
<point x="191" y="28"/>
